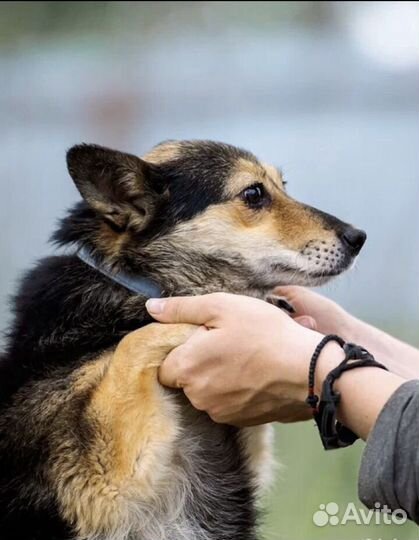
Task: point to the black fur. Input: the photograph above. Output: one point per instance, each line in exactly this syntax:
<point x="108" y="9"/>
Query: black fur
<point x="66" y="313"/>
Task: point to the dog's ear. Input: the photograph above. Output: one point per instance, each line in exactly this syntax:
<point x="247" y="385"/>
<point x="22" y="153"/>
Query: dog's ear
<point x="122" y="188"/>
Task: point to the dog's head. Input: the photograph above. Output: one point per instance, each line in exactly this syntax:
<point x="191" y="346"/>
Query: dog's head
<point x="205" y="213"/>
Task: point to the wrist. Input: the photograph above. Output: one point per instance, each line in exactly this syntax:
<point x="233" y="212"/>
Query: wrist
<point x="288" y="360"/>
<point x="330" y="357"/>
<point x="297" y="383"/>
<point x="349" y="327"/>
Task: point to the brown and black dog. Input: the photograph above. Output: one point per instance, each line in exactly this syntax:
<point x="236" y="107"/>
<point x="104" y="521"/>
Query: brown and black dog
<point x="91" y="446"/>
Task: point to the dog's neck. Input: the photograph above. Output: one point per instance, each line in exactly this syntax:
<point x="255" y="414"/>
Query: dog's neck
<point x="174" y="274"/>
<point x="188" y="272"/>
<point x="134" y="283"/>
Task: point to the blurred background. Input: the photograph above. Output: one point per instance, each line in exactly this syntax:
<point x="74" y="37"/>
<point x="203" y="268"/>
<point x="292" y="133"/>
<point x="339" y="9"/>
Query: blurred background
<point x="329" y="91"/>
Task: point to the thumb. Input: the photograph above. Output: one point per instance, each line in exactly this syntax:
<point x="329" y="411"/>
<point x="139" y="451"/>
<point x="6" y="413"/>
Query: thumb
<point x="170" y="370"/>
<point x="197" y="310"/>
<point x="307" y="322"/>
<point x="175" y="370"/>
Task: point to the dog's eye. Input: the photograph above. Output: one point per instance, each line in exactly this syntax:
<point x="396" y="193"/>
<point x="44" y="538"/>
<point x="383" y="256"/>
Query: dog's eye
<point x="255" y="196"/>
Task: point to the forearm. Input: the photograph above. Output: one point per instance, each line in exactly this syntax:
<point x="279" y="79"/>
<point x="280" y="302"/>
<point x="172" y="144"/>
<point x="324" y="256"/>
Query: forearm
<point x="398" y="357"/>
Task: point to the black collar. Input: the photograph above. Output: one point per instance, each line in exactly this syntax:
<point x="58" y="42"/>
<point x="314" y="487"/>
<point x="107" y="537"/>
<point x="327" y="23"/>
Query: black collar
<point x="137" y="284"/>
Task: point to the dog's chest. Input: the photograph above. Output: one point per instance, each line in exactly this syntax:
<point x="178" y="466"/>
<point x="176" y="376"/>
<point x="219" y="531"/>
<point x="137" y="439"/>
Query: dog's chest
<point x="216" y="475"/>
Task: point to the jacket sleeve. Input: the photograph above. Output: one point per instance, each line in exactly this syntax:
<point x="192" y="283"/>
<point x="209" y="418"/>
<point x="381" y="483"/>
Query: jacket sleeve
<point x="389" y="472"/>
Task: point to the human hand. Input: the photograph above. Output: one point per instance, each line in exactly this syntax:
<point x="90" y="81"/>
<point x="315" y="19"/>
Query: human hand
<point x="246" y="365"/>
<point x="317" y="312"/>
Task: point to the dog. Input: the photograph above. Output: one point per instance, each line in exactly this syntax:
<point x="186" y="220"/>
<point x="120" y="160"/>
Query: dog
<point x="92" y="447"/>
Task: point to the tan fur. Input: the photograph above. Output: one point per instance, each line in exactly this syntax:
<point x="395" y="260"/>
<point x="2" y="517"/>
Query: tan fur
<point x="295" y="225"/>
<point x="135" y="426"/>
<point x="247" y="172"/>
<point x="164" y="152"/>
<point x="274" y="174"/>
<point x="286" y="223"/>
<point x="111" y="242"/>
<point x="285" y="220"/>
<point x="91" y="373"/>
<point x="257" y="442"/>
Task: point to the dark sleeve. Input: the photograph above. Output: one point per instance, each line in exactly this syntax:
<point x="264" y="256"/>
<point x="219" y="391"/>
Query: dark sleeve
<point x="389" y="472"/>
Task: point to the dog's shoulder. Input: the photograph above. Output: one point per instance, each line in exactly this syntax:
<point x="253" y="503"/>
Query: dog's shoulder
<point x="64" y="311"/>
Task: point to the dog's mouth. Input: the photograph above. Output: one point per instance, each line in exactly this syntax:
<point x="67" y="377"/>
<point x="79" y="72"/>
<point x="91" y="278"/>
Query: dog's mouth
<point x="304" y="278"/>
<point x="308" y="272"/>
<point x="318" y="261"/>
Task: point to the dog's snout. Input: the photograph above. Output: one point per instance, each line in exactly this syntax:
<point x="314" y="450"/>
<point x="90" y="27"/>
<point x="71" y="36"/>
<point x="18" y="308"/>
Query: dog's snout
<point x="354" y="239"/>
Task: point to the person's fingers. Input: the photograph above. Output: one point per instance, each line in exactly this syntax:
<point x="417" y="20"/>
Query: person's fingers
<point x="292" y="293"/>
<point x="300" y="298"/>
<point x="185" y="309"/>
<point x="307" y="322"/>
<point x="287" y="290"/>
<point x="170" y="372"/>
<point x="178" y="364"/>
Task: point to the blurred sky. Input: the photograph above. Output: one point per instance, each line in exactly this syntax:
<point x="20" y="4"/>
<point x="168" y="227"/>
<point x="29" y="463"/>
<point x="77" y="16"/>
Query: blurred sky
<point x="329" y="91"/>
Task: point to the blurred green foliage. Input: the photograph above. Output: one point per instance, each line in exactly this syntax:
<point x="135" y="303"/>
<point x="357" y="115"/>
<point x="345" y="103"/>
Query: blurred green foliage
<point x="308" y="477"/>
<point x="23" y="21"/>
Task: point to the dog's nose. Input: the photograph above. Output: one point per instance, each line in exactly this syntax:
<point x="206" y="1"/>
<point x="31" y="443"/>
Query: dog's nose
<point x="354" y="239"/>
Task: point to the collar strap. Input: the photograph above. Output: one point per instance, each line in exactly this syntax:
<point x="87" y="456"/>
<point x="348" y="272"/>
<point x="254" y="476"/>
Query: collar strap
<point x="136" y="284"/>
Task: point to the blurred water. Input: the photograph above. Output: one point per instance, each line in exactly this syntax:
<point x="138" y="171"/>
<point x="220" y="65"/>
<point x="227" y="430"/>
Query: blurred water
<point x="344" y="130"/>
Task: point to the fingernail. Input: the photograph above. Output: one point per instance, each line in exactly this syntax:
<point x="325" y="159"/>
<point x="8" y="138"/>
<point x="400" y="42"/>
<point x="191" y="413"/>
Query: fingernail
<point x="155" y="305"/>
